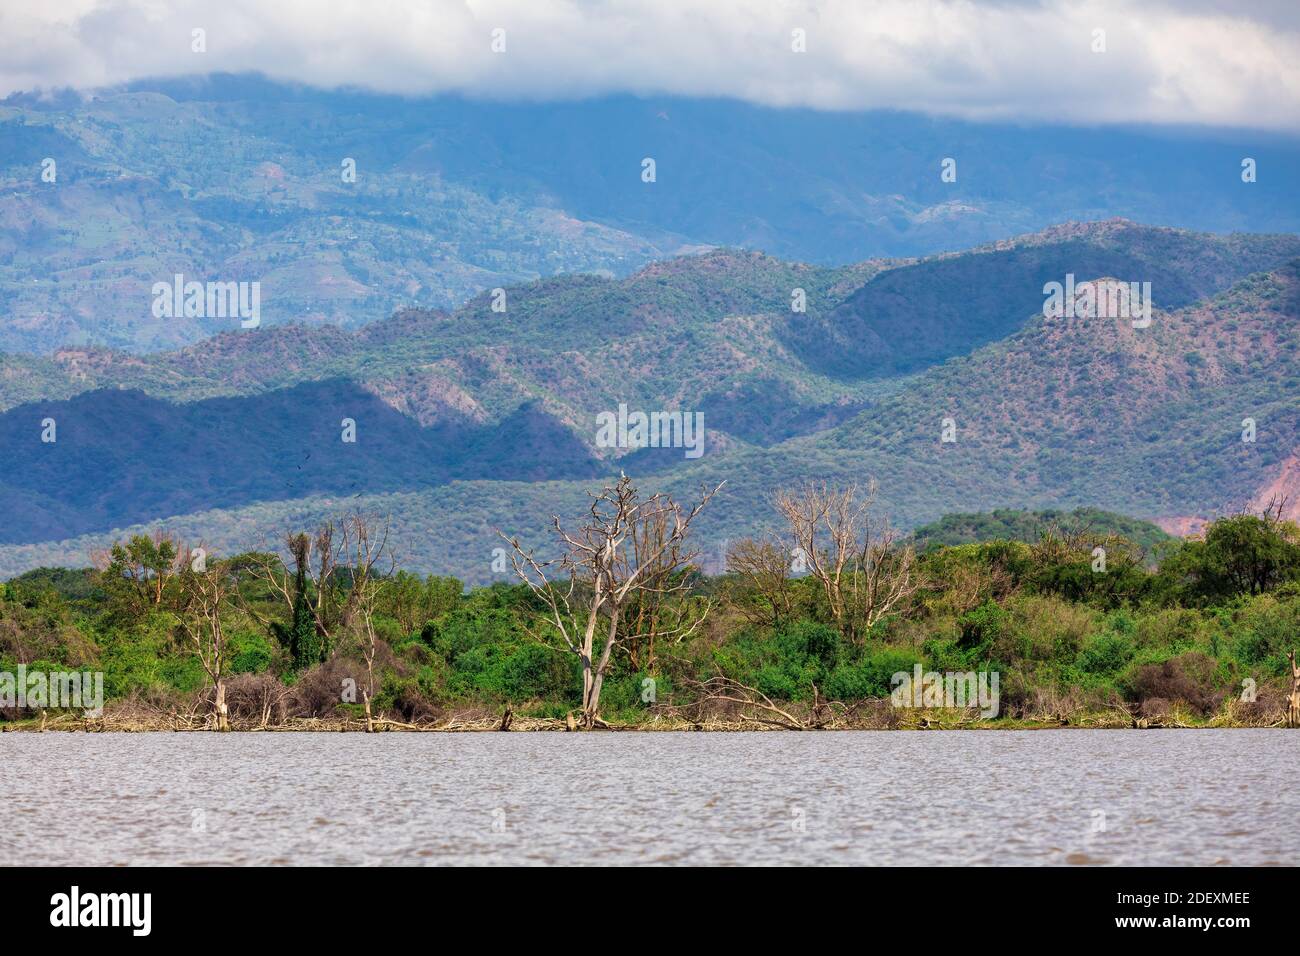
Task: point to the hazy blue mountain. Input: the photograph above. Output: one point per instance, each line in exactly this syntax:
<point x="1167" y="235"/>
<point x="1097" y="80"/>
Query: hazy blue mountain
<point x="239" y="179"/>
<point x="120" y="456"/>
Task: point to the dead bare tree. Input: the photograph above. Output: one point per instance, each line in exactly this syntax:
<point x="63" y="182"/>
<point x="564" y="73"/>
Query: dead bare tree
<point x="967" y="586"/>
<point x="764" y="568"/>
<point x="655" y="611"/>
<point x="1293" y="701"/>
<point x="628" y="550"/>
<point x="258" y="697"/>
<point x="205" y="595"/>
<point x="864" y="573"/>
<point x="370" y="560"/>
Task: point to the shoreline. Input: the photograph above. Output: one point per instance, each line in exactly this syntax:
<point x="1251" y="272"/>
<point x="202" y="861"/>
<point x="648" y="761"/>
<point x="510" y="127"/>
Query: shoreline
<point x="480" y="722"/>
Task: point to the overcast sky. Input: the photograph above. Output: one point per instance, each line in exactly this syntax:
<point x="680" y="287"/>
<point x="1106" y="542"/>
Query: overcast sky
<point x="1197" y="61"/>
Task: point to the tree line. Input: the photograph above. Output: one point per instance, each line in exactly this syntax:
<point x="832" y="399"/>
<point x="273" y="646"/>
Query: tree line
<point x="614" y="622"/>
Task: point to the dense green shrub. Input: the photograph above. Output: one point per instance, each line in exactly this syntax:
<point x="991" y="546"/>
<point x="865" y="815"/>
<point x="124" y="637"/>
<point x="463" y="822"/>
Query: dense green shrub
<point x="1061" y="634"/>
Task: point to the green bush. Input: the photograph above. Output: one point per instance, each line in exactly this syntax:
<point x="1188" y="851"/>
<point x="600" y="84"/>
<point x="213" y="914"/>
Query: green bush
<point x="250" y="653"/>
<point x="1107" y="654"/>
<point x="872" y="675"/>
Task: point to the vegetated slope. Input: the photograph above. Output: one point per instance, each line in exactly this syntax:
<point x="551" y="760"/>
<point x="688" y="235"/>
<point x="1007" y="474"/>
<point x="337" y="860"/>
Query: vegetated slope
<point x="119" y="454"/>
<point x="919" y="315"/>
<point x="676" y="298"/>
<point x="1064" y="413"/>
<point x="507" y="395"/>
<point x="1095" y="411"/>
<point x="714" y="332"/>
<point x="148" y="187"/>
<point x="1012" y="524"/>
<point x="241" y="179"/>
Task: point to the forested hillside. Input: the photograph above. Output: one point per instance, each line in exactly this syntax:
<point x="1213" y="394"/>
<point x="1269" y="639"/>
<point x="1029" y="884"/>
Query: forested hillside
<point x="464" y="420"/>
<point x="347" y="206"/>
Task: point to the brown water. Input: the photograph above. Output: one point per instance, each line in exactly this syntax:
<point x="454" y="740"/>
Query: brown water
<point x="987" y="797"/>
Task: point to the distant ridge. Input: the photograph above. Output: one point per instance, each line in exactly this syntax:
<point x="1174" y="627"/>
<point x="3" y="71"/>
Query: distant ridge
<point x="238" y="178"/>
<point x="471" y="420"/>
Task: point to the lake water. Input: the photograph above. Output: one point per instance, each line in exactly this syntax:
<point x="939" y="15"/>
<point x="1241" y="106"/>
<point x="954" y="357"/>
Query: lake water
<point x="975" y="797"/>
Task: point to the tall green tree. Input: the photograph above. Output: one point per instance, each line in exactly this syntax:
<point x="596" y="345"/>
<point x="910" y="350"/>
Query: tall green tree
<point x="300" y="637"/>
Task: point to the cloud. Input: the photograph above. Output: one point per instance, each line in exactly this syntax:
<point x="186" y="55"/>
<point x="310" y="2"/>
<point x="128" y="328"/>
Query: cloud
<point x="1194" y="62"/>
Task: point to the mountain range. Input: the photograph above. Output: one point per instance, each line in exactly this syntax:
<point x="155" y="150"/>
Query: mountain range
<point x="470" y="419"/>
<point x="348" y="206"/>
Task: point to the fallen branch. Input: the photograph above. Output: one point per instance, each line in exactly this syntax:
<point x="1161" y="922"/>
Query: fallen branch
<point x="722" y="689"/>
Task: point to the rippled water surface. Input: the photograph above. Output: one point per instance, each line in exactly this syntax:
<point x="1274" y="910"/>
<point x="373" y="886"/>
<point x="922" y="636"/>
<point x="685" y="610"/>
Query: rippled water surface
<point x="1053" y="797"/>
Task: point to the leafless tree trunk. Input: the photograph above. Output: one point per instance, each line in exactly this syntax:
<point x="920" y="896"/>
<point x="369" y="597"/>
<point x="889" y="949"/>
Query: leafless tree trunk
<point x="1293" y="702"/>
<point x="366" y="542"/>
<point x="654" y="612"/>
<point x="862" y="571"/>
<point x="765" y="568"/>
<point x="205" y="594"/>
<point x="273" y="694"/>
<point x="628" y="551"/>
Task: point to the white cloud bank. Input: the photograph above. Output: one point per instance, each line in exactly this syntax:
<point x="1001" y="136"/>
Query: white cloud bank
<point x="1197" y="61"/>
